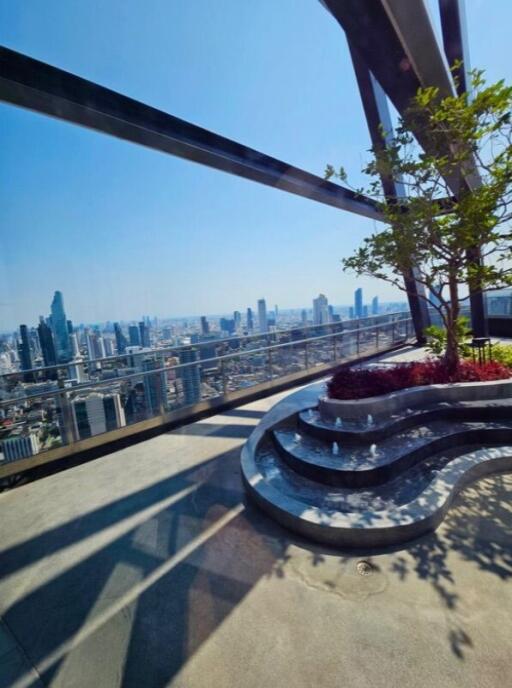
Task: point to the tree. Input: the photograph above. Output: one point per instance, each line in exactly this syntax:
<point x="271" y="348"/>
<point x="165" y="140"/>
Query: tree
<point x="431" y="231"/>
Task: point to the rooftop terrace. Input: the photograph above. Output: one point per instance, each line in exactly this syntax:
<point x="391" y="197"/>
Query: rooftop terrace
<point x="158" y="572"/>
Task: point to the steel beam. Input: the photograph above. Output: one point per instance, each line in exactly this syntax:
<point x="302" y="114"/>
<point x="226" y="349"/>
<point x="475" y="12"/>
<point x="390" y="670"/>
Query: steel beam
<point x="453" y="24"/>
<point x="455" y="41"/>
<point x="396" y="40"/>
<point x="40" y="87"/>
<point x="378" y="119"/>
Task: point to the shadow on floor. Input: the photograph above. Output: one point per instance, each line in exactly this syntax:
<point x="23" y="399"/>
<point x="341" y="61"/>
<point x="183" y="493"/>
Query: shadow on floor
<point x="137" y="609"/>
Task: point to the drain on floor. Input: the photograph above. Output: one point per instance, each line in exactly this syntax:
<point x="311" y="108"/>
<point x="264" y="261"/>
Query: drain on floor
<point x="364" y="568"/>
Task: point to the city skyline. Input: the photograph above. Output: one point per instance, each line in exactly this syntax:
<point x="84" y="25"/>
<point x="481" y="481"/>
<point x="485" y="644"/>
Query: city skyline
<point x="134" y="323"/>
<point x="177" y="238"/>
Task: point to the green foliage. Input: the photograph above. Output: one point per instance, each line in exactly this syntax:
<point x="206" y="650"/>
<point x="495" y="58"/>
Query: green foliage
<point x="437" y="338"/>
<point x="453" y="225"/>
<point x="502" y="353"/>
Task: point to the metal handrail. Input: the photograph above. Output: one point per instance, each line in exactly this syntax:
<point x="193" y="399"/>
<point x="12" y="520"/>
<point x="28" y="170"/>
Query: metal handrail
<point x="213" y="342"/>
<point x="144" y="373"/>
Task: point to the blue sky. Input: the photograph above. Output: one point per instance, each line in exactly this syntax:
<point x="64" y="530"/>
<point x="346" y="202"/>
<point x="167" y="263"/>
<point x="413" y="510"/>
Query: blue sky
<point x="122" y="230"/>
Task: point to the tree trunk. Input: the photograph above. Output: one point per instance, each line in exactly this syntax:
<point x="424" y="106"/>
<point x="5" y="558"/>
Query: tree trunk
<point x="451" y="357"/>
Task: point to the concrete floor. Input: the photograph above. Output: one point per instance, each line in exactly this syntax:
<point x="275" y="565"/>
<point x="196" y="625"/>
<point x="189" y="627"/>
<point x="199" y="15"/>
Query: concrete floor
<point x="147" y="568"/>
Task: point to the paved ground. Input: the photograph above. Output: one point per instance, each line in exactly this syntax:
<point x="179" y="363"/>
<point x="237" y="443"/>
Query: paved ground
<point x="147" y="568"/>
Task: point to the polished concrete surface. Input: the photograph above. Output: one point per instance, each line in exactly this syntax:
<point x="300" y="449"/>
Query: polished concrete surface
<point x="147" y="568"/>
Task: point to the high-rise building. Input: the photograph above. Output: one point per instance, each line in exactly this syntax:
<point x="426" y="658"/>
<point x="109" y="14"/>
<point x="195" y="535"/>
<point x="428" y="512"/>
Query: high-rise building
<point x="250" y="320"/>
<point x="365" y="311"/>
<point x="358" y="303"/>
<point x="351" y="313"/>
<point x="262" y="316"/>
<point x="330" y="312"/>
<point x="237" y="318"/>
<point x="109" y="346"/>
<point x="320" y="310"/>
<point x="75" y="349"/>
<point x="121" y="342"/>
<point x="155" y="388"/>
<point x="304" y="317"/>
<point x="25" y="354"/>
<point x="375" y="305"/>
<point x="190" y="376"/>
<point x="20" y="446"/>
<point x="60" y="328"/>
<point x="47" y="347"/>
<point x="97" y="413"/>
<point x="205" y="325"/>
<point x="76" y="370"/>
<point x="227" y="325"/>
<point x="144" y="334"/>
<point x="134" y="335"/>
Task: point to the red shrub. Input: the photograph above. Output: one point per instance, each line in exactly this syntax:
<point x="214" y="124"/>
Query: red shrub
<point x="359" y="383"/>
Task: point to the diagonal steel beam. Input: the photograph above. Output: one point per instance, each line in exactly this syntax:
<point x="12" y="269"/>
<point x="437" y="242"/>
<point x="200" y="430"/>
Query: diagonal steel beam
<point x="38" y="86"/>
<point x="455" y="40"/>
<point x="378" y="119"/>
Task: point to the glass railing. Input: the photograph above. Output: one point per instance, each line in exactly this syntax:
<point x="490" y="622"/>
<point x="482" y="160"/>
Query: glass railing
<point x="42" y="421"/>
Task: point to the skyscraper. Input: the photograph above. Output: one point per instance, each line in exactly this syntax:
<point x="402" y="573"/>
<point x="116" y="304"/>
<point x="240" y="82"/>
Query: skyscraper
<point x="250" y="320"/>
<point x="121" y="342"/>
<point x="60" y="328"/>
<point x="134" y="335"/>
<point x="155" y="388"/>
<point x="304" y="317"/>
<point x="262" y="316"/>
<point x="358" y="303"/>
<point x="191" y="376"/>
<point x="97" y="413"/>
<point x="144" y="334"/>
<point x="47" y="347"/>
<point x="25" y="354"/>
<point x="375" y="305"/>
<point x="205" y="325"/>
<point x="320" y="310"/>
<point x="237" y="318"/>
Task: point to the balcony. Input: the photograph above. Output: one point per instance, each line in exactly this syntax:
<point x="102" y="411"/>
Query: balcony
<point x="148" y="567"/>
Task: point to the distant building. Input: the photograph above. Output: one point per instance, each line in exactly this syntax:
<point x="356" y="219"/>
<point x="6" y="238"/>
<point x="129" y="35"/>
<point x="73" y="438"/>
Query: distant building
<point x="227" y="325"/>
<point x="250" y="320"/>
<point x="76" y="370"/>
<point x="20" y="446"/>
<point x="304" y="317"/>
<point x="97" y="413"/>
<point x="351" y="313"/>
<point x="60" y="328"/>
<point x="25" y="354"/>
<point x="205" y="326"/>
<point x="375" y="305"/>
<point x="155" y="388"/>
<point x="237" y="318"/>
<point x="262" y="316"/>
<point x="190" y="376"/>
<point x="320" y="310"/>
<point x="47" y="344"/>
<point x="365" y="311"/>
<point x="134" y="335"/>
<point x="144" y="334"/>
<point x="358" y="303"/>
<point x="121" y="342"/>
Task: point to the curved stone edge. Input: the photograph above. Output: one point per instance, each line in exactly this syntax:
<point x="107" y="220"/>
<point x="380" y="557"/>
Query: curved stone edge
<point x="356" y="478"/>
<point x="397" y="526"/>
<point x="357" y="409"/>
<point x="485" y="411"/>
